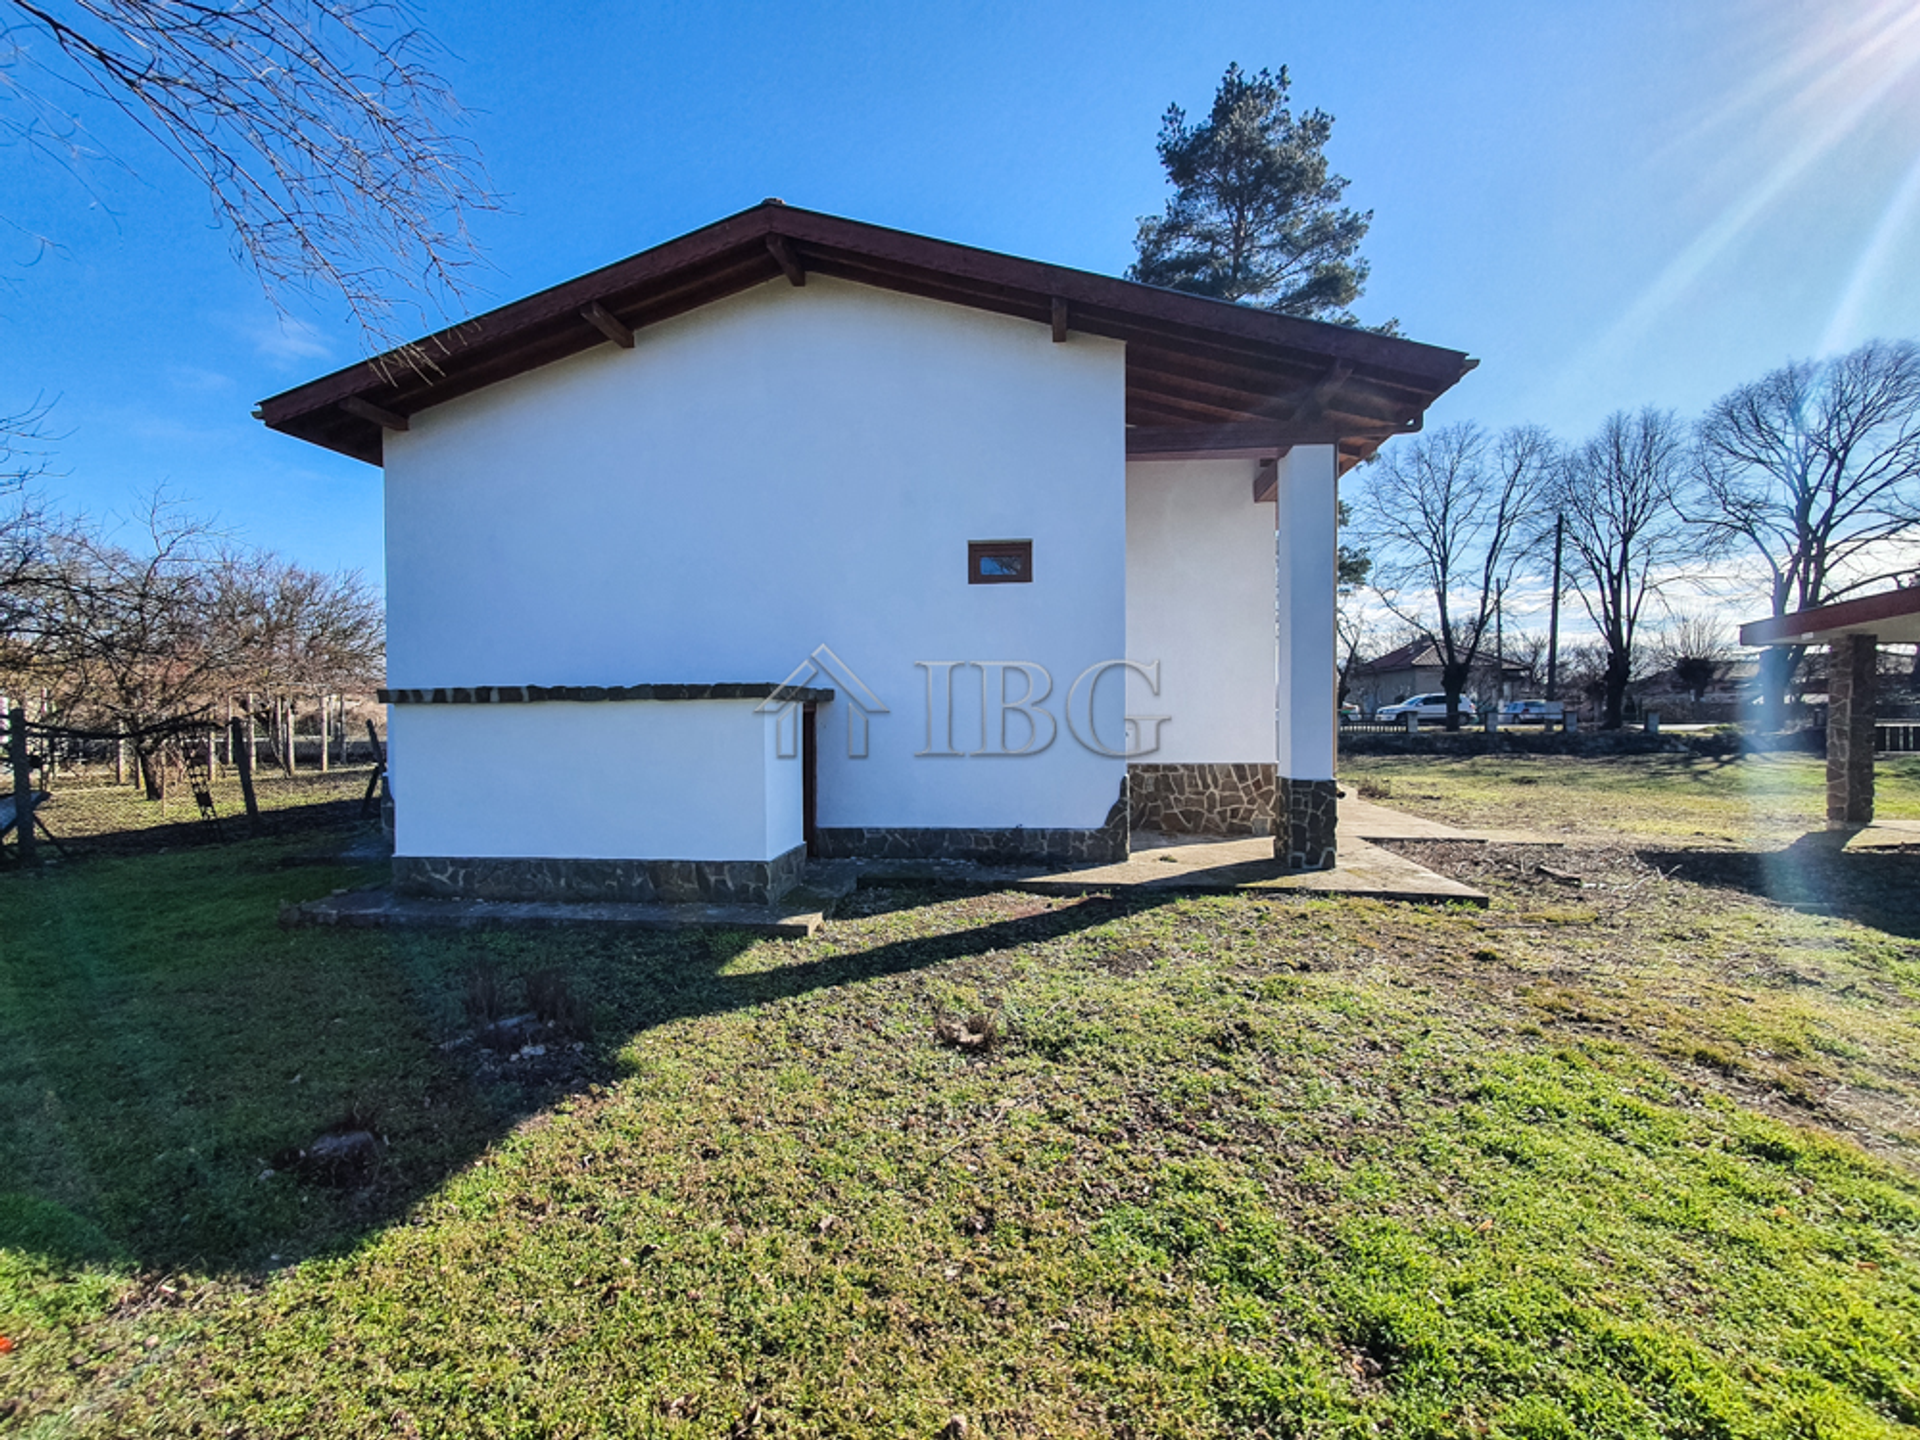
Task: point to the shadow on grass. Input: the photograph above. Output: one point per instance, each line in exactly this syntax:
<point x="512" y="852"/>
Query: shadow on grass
<point x="113" y="820"/>
<point x="1815" y="874"/>
<point x="161" y="1039"/>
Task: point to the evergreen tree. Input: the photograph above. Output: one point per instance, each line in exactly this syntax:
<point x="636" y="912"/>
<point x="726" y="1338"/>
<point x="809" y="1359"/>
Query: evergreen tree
<point x="1256" y="213"/>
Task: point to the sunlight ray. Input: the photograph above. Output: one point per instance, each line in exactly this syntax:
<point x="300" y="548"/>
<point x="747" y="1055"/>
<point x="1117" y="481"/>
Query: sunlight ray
<point x="1685" y="269"/>
<point x="1846" y="326"/>
<point x="1800" y="78"/>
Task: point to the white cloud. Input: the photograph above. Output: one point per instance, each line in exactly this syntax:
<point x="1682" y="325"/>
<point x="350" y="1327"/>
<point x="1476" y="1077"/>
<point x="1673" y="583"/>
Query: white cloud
<point x="282" y="339"/>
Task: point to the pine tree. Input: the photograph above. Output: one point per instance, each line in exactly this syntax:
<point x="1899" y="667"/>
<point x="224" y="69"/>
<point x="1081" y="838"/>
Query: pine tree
<point x="1256" y="213"/>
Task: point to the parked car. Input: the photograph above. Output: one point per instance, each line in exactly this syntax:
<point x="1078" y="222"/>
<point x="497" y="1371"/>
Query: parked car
<point x="1532" y="712"/>
<point x="1428" y="707"/>
<point x="1349" y="713"/>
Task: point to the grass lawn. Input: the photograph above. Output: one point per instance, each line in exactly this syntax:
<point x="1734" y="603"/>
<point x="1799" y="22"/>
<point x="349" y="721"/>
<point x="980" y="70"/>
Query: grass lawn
<point x="90" y="812"/>
<point x="1765" y="799"/>
<point x="1637" y="1156"/>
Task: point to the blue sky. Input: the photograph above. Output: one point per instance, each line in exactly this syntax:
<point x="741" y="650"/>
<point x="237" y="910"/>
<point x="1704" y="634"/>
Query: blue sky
<point x="1612" y="204"/>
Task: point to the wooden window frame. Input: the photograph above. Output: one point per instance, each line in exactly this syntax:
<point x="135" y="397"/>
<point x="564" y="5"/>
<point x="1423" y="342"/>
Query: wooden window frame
<point x="978" y="550"/>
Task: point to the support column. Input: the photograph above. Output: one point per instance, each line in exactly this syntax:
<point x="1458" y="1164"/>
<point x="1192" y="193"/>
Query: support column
<point x="1308" y="536"/>
<point x="1852" y="699"/>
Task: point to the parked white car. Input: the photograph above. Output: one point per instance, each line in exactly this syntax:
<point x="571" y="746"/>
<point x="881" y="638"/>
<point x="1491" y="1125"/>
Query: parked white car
<point x="1428" y="707"/>
<point x="1532" y="712"/>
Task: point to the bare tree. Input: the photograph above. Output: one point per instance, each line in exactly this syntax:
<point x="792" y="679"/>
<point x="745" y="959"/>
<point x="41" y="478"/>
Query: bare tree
<point x="1527" y="649"/>
<point x="295" y="632"/>
<point x="1355" y="632"/>
<point x="1450" y="519"/>
<point x="324" y="138"/>
<point x="1620" y="493"/>
<point x="26" y="529"/>
<point x="127" y="639"/>
<point x="1815" y="470"/>
<point x="1696" y="648"/>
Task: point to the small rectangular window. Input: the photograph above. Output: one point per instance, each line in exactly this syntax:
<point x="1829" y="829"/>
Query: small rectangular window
<point x="999" y="562"/>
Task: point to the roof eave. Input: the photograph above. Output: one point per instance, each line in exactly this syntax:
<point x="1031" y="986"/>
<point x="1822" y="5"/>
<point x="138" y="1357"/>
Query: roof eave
<point x="1390" y="381"/>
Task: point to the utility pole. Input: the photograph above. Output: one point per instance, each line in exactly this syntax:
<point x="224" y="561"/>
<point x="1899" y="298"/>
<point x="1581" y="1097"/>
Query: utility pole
<point x="1500" y="641"/>
<point x="1553" y="621"/>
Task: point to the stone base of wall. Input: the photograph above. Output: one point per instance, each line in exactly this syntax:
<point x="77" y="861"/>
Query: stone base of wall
<point x="1852" y="675"/>
<point x="709" y="882"/>
<point x="1307" y="811"/>
<point x="1014" y="846"/>
<point x="1202" y="799"/>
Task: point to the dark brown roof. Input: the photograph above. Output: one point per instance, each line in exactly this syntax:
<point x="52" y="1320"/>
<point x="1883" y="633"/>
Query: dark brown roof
<point x="1421" y="655"/>
<point x="1203" y="376"/>
<point x="1892" y="615"/>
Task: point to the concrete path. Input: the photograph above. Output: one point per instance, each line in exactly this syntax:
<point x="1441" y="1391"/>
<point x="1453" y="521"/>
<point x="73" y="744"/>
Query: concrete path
<point x="1366" y="821"/>
<point x="1202" y="863"/>
<point x="1159" y="864"/>
<point x="802" y="911"/>
<point x="1885" y="835"/>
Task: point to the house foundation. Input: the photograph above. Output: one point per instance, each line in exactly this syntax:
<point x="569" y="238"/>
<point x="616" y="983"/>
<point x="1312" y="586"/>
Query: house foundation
<point x="1013" y="845"/>
<point x="1197" y="799"/>
<point x="539" y="878"/>
<point x="1310" y="811"/>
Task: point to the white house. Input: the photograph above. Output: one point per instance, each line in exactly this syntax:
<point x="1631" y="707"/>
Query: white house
<point x="798" y="536"/>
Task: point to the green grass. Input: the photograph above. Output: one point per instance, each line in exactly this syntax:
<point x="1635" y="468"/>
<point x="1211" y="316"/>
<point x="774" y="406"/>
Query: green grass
<point x="1750" y="799"/>
<point x="1636" y="1159"/>
<point x="87" y="807"/>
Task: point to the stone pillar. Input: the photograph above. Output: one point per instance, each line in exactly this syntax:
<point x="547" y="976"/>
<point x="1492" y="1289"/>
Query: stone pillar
<point x="1851" y="702"/>
<point x="1304" y="800"/>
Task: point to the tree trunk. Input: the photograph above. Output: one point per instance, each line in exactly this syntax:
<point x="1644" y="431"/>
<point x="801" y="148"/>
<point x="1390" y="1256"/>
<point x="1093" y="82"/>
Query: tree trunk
<point x="147" y="758"/>
<point x="1614" y="705"/>
<point x="1778" y="665"/>
<point x="1453" y="680"/>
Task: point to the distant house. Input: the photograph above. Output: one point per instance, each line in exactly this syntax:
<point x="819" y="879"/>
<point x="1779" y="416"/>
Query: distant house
<point x="1720" y="701"/>
<point x="797" y="537"/>
<point x="1414" y="669"/>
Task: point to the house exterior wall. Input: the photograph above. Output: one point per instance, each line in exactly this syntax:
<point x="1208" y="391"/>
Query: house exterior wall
<point x="1200" y="604"/>
<point x="685" y="780"/>
<point x="781" y="469"/>
<point x="1200" y="601"/>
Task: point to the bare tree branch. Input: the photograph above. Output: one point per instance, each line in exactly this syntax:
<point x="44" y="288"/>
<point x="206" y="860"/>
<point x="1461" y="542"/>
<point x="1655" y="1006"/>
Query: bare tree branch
<point x="1815" y="469"/>
<point x="1621" y="494"/>
<point x="325" y="139"/>
<point x="1450" y="517"/>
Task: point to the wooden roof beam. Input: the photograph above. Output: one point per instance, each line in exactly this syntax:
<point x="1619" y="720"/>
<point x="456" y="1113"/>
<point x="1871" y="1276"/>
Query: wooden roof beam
<point x="597" y="315"/>
<point x="367" y="410"/>
<point x="1058" y="308"/>
<point x="1186" y="409"/>
<point x="1252" y="441"/>
<point x="786" y="258"/>
<point x="1266" y="479"/>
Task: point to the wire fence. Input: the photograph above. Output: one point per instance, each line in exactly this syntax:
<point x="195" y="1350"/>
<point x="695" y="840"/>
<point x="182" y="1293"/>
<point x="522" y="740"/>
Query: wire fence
<point x="87" y="792"/>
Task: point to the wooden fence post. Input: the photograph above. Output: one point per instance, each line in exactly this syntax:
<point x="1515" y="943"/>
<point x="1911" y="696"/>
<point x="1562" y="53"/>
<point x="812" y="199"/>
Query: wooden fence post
<point x="22" y="783"/>
<point x="49" y="762"/>
<point x="243" y="751"/>
<point x="323" y="734"/>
